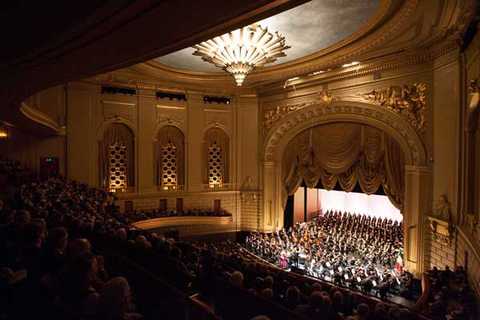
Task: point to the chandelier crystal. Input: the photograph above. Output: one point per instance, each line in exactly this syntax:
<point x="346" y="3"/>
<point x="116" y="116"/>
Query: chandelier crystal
<point x="241" y="51"/>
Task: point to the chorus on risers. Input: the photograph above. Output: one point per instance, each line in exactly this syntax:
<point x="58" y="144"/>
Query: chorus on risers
<point x="352" y="250"/>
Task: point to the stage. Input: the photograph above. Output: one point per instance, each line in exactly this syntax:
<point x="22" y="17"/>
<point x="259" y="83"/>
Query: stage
<point x="310" y="202"/>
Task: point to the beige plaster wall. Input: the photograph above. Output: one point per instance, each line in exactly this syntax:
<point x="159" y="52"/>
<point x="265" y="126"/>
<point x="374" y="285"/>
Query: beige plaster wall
<point x="90" y="112"/>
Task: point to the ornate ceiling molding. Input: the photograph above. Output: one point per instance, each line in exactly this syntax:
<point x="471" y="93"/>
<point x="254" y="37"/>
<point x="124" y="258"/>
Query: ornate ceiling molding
<point x="350" y="111"/>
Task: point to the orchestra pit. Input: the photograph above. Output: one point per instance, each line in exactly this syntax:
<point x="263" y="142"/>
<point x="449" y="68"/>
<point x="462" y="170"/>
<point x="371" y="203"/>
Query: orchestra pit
<point x="217" y="160"/>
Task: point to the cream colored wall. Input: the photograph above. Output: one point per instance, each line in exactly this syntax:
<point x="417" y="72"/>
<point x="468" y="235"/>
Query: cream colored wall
<point x="446" y="114"/>
<point x="90" y="112"/>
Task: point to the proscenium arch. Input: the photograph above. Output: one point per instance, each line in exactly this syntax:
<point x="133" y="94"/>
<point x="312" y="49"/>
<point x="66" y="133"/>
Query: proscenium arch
<point x="416" y="172"/>
<point x="345" y="111"/>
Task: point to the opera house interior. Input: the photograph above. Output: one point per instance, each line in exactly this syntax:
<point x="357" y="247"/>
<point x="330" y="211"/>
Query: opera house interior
<point x="269" y="159"/>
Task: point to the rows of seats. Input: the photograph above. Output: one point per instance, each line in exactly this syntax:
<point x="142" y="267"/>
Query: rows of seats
<point x="59" y="232"/>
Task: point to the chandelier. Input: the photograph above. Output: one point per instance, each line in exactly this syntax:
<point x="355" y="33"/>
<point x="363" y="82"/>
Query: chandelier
<point x="241" y="51"/>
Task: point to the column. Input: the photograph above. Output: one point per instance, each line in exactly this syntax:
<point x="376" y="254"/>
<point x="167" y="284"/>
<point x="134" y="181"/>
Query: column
<point x="272" y="213"/>
<point x="414" y="208"/>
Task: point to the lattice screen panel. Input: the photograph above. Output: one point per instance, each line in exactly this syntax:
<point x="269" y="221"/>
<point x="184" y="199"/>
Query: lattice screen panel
<point x="214" y="165"/>
<point x="118" y="169"/>
<point x="169" y="165"/>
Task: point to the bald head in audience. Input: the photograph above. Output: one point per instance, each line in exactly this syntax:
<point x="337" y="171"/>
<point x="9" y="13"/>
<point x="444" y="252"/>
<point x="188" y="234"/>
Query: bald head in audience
<point x="78" y="247"/>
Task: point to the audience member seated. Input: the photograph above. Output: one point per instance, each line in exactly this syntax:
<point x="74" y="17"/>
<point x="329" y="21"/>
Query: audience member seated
<point x="450" y="294"/>
<point x="116" y="301"/>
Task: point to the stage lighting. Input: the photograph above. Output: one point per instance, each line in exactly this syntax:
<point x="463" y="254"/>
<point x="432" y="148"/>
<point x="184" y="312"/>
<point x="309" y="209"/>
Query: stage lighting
<point x="171" y="96"/>
<point x="115" y="90"/>
<point x="218" y="100"/>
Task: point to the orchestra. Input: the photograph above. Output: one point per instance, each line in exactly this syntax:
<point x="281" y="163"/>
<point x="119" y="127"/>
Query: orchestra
<point x="348" y="249"/>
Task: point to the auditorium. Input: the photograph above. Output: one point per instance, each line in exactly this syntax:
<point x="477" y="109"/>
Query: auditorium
<point x="216" y="160"/>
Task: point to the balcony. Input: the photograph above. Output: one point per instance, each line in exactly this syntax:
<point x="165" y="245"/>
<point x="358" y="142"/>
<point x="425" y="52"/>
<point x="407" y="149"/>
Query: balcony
<point x="219" y="186"/>
<point x="182" y="221"/>
<point x="122" y="190"/>
<point x="170" y="188"/>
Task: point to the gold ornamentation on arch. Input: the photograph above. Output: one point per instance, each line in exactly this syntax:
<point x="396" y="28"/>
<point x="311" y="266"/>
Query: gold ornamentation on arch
<point x="409" y="101"/>
<point x="272" y="116"/>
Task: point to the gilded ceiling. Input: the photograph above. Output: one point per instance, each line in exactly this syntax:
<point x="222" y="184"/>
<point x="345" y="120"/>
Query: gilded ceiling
<point x="308" y="28"/>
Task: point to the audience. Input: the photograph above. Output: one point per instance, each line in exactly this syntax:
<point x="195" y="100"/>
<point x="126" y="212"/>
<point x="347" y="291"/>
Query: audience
<point x="39" y="238"/>
<point x="450" y="294"/>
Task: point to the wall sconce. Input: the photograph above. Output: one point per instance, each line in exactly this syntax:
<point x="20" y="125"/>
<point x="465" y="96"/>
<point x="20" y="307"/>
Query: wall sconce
<point x="3" y="133"/>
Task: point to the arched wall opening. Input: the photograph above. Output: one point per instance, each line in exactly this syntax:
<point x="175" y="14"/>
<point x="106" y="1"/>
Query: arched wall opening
<point x="216" y="157"/>
<point x="407" y="138"/>
<point x="117" y="157"/>
<point x="169" y="157"/>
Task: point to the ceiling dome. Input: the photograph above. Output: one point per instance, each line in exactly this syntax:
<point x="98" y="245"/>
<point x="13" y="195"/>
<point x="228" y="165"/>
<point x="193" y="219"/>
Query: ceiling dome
<point x="308" y="28"/>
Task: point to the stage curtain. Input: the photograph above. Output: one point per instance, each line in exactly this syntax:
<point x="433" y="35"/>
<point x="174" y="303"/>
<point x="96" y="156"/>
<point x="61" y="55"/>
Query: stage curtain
<point x="173" y="135"/>
<point x="121" y="134"/>
<point x="218" y="136"/>
<point x="347" y="153"/>
<point x="394" y="180"/>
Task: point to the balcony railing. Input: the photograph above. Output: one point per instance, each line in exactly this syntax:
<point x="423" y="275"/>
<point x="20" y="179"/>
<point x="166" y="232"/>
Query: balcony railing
<point x="122" y="190"/>
<point x="170" y="188"/>
<point x="217" y="186"/>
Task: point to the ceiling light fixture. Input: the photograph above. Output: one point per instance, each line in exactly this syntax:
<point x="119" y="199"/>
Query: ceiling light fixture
<point x="241" y="51"/>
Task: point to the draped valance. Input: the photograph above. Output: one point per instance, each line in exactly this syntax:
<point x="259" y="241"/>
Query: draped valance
<point x="174" y="136"/>
<point x="117" y="133"/>
<point x="347" y="153"/>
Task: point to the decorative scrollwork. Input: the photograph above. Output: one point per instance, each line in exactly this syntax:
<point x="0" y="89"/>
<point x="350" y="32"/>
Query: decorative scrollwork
<point x="408" y="100"/>
<point x="272" y="116"/>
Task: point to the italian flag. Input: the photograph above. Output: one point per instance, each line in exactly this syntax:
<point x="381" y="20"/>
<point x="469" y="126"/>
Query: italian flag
<point x="400" y="262"/>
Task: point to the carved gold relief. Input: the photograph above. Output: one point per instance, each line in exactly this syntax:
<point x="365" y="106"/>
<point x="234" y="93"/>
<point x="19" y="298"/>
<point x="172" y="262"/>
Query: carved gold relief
<point x="408" y="100"/>
<point x="440" y="221"/>
<point x="441" y="230"/>
<point x="272" y="116"/>
<point x="248" y="192"/>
